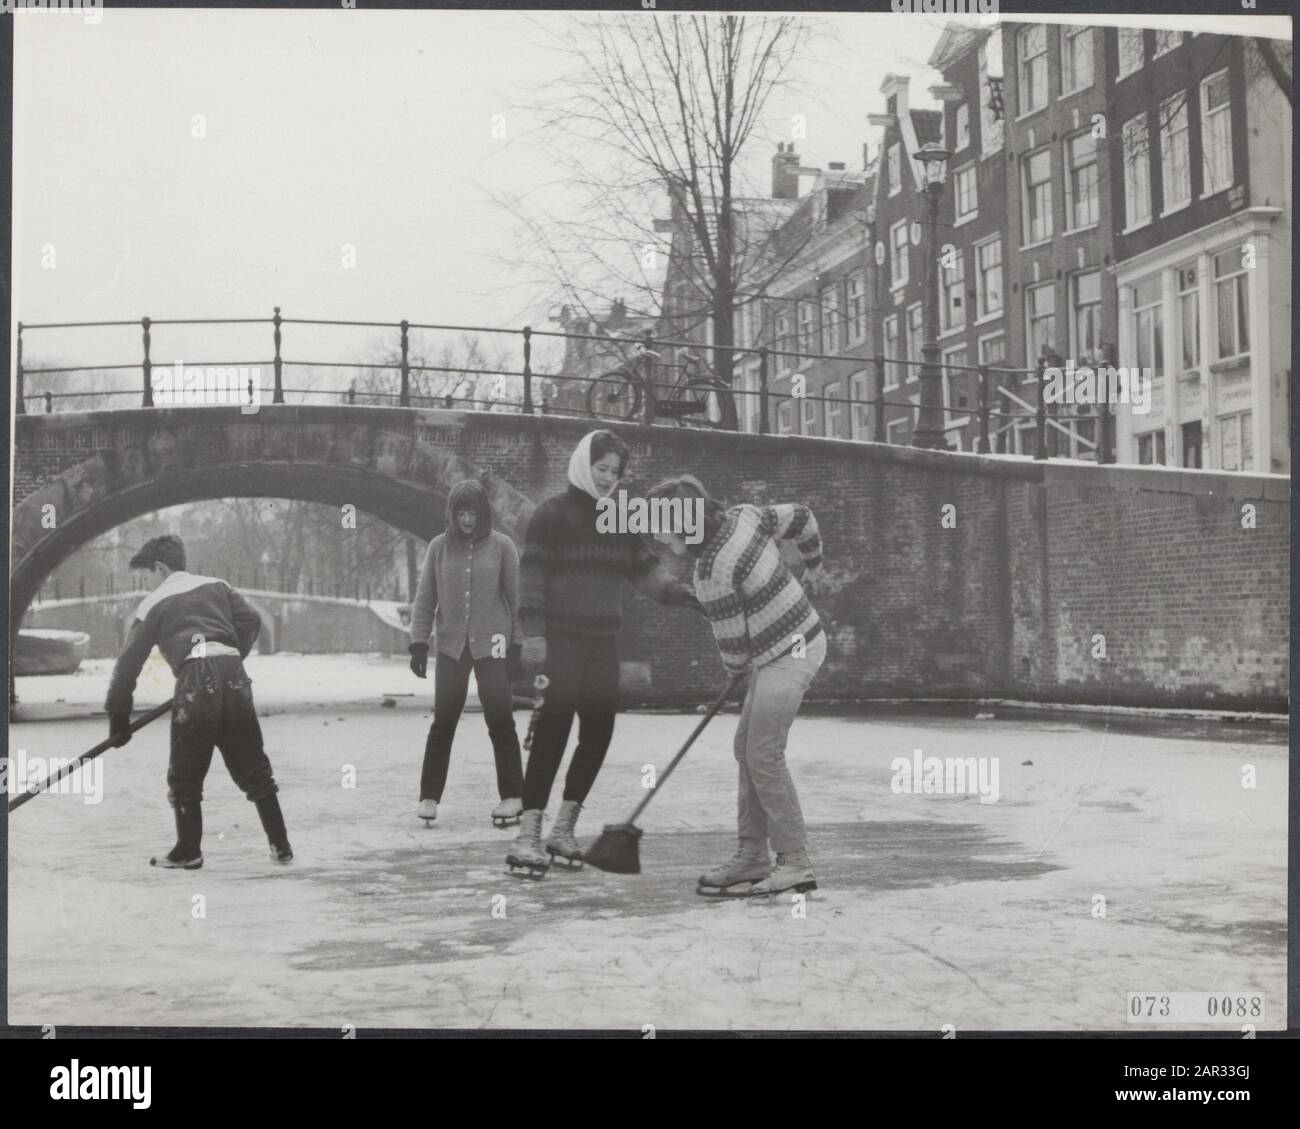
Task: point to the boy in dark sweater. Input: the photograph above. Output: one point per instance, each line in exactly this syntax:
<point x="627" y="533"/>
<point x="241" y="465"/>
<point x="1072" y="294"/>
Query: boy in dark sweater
<point x="204" y="629"/>
<point x="570" y="605"/>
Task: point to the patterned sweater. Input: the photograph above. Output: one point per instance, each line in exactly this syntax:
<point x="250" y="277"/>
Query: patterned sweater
<point x="187" y="617"/>
<point x="755" y="605"/>
<point x="571" y="576"/>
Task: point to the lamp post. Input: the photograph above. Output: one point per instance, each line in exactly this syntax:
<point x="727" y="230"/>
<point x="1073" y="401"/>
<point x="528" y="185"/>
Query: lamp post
<point x="929" y="426"/>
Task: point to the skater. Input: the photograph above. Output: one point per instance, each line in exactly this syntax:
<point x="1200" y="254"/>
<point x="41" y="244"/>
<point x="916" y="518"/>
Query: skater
<point x="479" y="632"/>
<point x="204" y="629"/>
<point x="765" y="625"/>
<point x="571" y="608"/>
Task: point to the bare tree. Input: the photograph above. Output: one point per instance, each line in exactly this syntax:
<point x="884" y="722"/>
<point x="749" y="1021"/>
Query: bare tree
<point x="648" y="107"/>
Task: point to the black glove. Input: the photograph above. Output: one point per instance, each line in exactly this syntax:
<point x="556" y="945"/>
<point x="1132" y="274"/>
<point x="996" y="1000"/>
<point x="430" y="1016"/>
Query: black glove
<point x="119" y="729"/>
<point x="515" y="662"/>
<point x="419" y="659"/>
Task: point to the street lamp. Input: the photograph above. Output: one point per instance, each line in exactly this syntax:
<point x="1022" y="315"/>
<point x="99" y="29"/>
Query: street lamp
<point x="929" y="425"/>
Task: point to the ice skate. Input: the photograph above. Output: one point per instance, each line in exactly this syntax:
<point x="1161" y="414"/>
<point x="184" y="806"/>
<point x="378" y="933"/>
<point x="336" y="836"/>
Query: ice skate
<point x="428" y="811"/>
<point x="563" y="848"/>
<point x="268" y="810"/>
<point x="793" y="871"/>
<point x="186" y="855"/>
<point x="526" y="859"/>
<point x="506" y="813"/>
<point x="736" y="878"/>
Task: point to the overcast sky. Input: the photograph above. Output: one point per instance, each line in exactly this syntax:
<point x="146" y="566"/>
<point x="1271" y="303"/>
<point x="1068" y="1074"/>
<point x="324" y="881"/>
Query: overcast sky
<point x="323" y="128"/>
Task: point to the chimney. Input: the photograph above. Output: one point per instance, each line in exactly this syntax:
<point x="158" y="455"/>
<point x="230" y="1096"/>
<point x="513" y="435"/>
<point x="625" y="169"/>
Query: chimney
<point x="894" y="88"/>
<point x="785" y="175"/>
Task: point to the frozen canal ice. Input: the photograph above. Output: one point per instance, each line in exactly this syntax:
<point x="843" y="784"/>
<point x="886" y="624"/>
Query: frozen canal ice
<point x="932" y="909"/>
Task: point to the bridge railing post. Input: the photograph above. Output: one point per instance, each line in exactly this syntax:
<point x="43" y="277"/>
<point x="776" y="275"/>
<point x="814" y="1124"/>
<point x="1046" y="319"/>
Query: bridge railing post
<point x="49" y="402"/>
<point x="404" y="392"/>
<point x="764" y="420"/>
<point x="277" y="396"/>
<point x="528" y="370"/>
<point x="20" y="404"/>
<point x="148" y="365"/>
<point x="1040" y="415"/>
<point x="878" y="432"/>
<point x="984" y="410"/>
<point x="648" y="376"/>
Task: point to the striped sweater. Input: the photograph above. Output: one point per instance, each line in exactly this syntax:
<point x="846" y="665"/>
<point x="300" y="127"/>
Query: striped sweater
<point x="756" y="607"/>
<point x="571" y="576"/>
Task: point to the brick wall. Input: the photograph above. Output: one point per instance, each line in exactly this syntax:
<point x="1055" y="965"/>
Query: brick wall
<point x="1193" y="607"/>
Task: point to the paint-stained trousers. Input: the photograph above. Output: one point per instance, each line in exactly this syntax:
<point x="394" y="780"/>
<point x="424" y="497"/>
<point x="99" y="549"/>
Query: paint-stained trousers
<point x="768" y="805"/>
<point x="213" y="706"/>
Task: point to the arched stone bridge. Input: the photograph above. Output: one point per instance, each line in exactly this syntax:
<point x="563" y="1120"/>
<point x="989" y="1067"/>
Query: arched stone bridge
<point x="947" y="574"/>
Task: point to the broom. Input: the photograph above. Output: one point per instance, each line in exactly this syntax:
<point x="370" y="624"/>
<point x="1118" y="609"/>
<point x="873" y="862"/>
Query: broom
<point x="617" y="847"/>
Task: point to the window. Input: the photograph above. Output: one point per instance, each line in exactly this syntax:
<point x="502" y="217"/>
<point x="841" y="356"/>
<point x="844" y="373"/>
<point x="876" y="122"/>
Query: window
<point x="747" y="401"/>
<point x="956" y="392"/>
<point x="834" y="409"/>
<point x="1032" y="47"/>
<point x="1216" y="132"/>
<point x="1148" y="326"/>
<point x="857" y="293"/>
<point x="1137" y="172"/>
<point x="966" y="195"/>
<point x="1130" y="50"/>
<point x="896" y="431"/>
<point x="952" y="306"/>
<point x="1232" y="302"/>
<point x="859" y="414"/>
<point x="1076" y="58"/>
<point x="1236" y="442"/>
<point x="1040" y="316"/>
<point x="915" y="340"/>
<point x="898" y="254"/>
<point x="1085" y="315"/>
<point x="993" y="350"/>
<point x="807" y="327"/>
<point x="1166" y="41"/>
<point x="784" y="414"/>
<point x="1175" y="164"/>
<point x="895" y="168"/>
<point x="1036" y="217"/>
<point x="1189" y="319"/>
<point x="831" y="318"/>
<point x="988" y="268"/>
<point x="1081" y="206"/>
<point x="808" y="413"/>
<point x="963" y="127"/>
<point x="890" y="353"/>
<point x="1151" y="448"/>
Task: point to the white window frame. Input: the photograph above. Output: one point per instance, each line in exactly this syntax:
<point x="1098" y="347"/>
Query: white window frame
<point x="831" y="323"/>
<point x="1243" y="424"/>
<point x="856" y="293"/>
<point x="1071" y="219"/>
<point x="981" y="348"/>
<point x="1025" y="69"/>
<point x="1077" y="350"/>
<point x="948" y="278"/>
<point x="1157" y="440"/>
<point x="898" y="269"/>
<point x="1136" y="159"/>
<point x="1134" y="38"/>
<point x="893" y="370"/>
<point x="1032" y="359"/>
<point x="1070" y="82"/>
<point x="806" y="331"/>
<point x="1168" y="136"/>
<point x="784" y="416"/>
<point x="1240" y="280"/>
<point x="913" y="371"/>
<point x="973" y="212"/>
<point x="982" y="312"/>
<point x="1210" y="186"/>
<point x="1156" y="311"/>
<point x="833" y="405"/>
<point x="1028" y="237"/>
<point x="1171" y="40"/>
<point x="807" y="415"/>
<point x="781" y="343"/>
<point x="892" y="425"/>
<point x="860" y="409"/>
<point x="1192" y="291"/>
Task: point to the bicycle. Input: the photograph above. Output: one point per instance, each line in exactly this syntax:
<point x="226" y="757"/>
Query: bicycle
<point x="697" y="398"/>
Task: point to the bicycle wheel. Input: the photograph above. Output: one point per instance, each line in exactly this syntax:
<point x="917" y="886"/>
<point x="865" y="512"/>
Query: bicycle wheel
<point x="704" y="402"/>
<point x="614" y="395"/>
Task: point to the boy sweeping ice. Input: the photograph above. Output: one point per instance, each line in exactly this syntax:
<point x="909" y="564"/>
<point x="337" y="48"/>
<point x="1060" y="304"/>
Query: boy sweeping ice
<point x="204" y="629"/>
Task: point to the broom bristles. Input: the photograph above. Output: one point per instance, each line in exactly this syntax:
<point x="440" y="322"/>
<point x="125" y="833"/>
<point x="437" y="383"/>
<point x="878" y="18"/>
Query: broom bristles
<point x="615" y="850"/>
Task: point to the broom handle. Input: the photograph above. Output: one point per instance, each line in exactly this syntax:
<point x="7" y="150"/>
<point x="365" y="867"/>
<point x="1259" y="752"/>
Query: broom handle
<point x="89" y="755"/>
<point x="708" y="717"/>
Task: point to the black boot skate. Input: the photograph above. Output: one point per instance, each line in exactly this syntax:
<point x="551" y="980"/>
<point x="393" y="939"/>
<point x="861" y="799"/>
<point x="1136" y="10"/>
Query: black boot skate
<point x="268" y="809"/>
<point x="186" y="855"/>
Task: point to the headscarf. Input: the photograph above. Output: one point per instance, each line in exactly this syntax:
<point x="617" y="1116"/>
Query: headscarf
<point x="468" y="494"/>
<point x="580" y="467"/>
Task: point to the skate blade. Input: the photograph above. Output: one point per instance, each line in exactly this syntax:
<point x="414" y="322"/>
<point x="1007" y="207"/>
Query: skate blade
<point x="563" y="862"/>
<point x="739" y="890"/>
<point x="502" y="822"/>
<point x="165" y="863"/>
<point x="795" y="888"/>
<point x="520" y="870"/>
